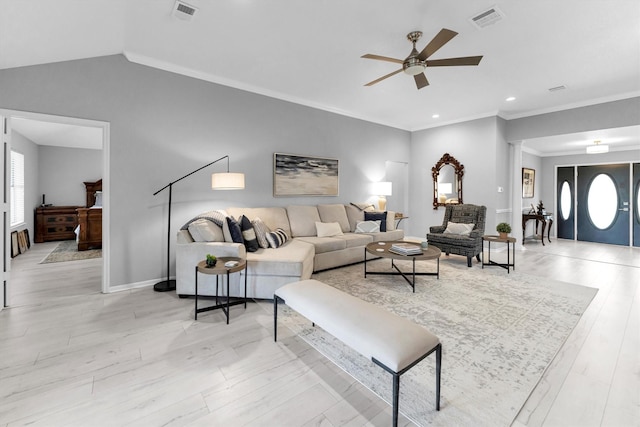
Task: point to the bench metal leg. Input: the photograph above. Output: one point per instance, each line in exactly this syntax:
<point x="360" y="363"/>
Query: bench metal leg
<point x="396" y="398"/>
<point x="438" y="365"/>
<point x="275" y="317"/>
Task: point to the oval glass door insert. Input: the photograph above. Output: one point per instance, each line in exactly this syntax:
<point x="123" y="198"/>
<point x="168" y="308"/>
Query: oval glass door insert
<point x="565" y="200"/>
<point x="602" y="201"/>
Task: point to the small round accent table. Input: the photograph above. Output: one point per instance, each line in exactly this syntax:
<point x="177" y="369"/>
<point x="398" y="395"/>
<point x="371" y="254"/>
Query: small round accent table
<point x="220" y="270"/>
<point x="511" y="246"/>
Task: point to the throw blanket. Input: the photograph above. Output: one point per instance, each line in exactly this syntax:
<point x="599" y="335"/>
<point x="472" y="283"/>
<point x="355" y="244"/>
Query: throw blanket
<point x="217" y="217"/>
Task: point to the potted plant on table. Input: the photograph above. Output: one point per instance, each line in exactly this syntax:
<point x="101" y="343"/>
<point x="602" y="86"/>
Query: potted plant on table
<point x="504" y="229"/>
<point x="211" y="260"/>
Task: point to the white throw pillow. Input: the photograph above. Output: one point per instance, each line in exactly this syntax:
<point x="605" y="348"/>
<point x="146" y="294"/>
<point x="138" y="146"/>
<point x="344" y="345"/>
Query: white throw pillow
<point x="328" y="229"/>
<point x="459" y="228"/>
<point x="368" y="227"/>
<point x="203" y="230"/>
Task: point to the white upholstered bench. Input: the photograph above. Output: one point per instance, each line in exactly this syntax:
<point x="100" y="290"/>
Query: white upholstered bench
<point x="390" y="341"/>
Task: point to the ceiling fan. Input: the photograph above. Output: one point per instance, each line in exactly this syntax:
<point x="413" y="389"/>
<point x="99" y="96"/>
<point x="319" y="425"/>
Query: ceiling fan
<point x="416" y="62"/>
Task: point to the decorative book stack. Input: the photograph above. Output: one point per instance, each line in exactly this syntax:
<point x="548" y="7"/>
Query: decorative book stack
<point x="405" y="249"/>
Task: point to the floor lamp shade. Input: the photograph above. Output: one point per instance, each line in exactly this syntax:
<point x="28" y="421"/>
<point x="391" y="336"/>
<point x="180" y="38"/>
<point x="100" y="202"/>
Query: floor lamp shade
<point x="227" y="181"/>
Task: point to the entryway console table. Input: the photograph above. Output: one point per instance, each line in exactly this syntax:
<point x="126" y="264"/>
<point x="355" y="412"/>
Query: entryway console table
<point x="544" y="219"/>
<point x="511" y="246"/>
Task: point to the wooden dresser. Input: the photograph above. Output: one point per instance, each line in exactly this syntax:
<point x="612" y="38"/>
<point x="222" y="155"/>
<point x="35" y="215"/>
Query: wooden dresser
<point x="55" y="223"/>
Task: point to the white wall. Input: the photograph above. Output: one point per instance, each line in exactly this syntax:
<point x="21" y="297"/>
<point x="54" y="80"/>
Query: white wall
<point x="63" y="172"/>
<point x="164" y="125"/>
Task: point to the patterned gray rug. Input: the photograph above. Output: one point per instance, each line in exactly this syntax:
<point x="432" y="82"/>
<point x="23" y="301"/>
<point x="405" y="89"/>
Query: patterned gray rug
<point x="67" y="250"/>
<point x="499" y="333"/>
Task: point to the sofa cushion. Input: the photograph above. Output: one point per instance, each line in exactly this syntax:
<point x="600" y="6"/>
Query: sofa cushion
<point x="328" y="229"/>
<point x="377" y="216"/>
<point x="335" y="213"/>
<point x="325" y="244"/>
<point x="288" y="260"/>
<point x="248" y="234"/>
<point x="261" y="231"/>
<point x="355" y="215"/>
<point x="354" y="240"/>
<point x="387" y="236"/>
<point x="203" y="230"/>
<point x="302" y="220"/>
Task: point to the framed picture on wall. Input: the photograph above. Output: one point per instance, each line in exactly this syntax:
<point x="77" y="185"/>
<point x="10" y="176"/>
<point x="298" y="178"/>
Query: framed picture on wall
<point x="295" y="175"/>
<point x="528" y="182"/>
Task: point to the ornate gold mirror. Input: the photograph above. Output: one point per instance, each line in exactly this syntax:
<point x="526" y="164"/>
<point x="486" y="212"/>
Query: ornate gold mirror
<point x="447" y="181"/>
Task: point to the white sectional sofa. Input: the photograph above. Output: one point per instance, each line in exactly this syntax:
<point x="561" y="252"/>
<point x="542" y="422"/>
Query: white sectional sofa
<point x="270" y="268"/>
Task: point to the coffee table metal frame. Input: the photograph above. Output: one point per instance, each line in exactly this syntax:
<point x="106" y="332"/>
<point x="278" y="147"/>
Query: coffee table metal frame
<point x="430" y="253"/>
<point x="221" y="270"/>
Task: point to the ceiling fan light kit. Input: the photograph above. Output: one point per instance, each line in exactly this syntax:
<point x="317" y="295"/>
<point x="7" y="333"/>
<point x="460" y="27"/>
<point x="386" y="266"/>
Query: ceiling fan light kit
<point x="416" y="63"/>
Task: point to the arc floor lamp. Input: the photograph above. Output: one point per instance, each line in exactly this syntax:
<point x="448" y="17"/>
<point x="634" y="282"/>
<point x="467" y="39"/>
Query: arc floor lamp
<point x="219" y="181"/>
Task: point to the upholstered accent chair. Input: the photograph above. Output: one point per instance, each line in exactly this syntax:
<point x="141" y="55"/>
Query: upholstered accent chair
<point x="457" y="239"/>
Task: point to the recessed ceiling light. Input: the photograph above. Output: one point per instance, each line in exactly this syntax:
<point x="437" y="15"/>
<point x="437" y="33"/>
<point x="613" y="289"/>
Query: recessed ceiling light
<point x="511" y="98"/>
<point x="435" y="116"/>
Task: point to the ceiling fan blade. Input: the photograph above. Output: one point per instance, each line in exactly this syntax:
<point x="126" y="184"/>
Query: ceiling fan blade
<point x="382" y="58"/>
<point x="467" y="60"/>
<point x="436" y="43"/>
<point x="421" y="80"/>
<point x="383" y="77"/>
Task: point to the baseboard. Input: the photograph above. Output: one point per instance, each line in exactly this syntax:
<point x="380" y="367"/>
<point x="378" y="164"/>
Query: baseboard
<point x="136" y="285"/>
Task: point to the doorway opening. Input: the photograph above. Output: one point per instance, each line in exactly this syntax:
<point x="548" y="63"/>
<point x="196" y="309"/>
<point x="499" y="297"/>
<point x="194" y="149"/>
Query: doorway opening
<point x="42" y="130"/>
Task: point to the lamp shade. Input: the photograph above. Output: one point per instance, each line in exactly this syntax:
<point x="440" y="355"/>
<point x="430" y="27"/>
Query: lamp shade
<point x="227" y="181"/>
<point x="382" y="188"/>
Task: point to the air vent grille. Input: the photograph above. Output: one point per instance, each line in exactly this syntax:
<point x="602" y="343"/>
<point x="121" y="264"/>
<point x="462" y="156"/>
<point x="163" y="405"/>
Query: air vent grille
<point x="184" y="11"/>
<point x="557" y="88"/>
<point x="487" y="18"/>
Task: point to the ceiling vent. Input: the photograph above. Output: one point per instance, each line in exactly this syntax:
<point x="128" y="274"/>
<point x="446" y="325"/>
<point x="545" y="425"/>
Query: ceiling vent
<point x="487" y="18"/>
<point x="557" y="88"/>
<point x="184" y="11"/>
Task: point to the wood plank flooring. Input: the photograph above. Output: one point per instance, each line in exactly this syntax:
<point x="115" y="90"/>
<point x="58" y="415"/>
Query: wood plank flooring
<point x="71" y="356"/>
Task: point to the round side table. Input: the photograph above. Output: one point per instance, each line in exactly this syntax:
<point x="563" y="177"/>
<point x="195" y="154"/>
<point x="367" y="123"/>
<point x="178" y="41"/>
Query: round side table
<point x="220" y="270"/>
<point x="511" y="246"/>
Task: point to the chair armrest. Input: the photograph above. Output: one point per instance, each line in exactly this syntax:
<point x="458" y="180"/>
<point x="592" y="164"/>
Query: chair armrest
<point x="437" y="229"/>
<point x="476" y="234"/>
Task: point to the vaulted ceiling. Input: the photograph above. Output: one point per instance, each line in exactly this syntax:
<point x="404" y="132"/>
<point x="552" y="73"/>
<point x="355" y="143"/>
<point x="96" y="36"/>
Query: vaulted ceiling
<point x="309" y="52"/>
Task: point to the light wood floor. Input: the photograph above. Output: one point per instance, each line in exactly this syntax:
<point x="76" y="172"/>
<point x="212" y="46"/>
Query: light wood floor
<point x="71" y="356"/>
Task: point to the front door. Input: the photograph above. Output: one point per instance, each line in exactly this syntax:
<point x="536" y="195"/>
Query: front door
<point x="566" y="215"/>
<point x="603" y="204"/>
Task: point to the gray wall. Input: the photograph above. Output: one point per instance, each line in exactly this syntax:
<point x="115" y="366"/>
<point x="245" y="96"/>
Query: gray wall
<point x="29" y="149"/>
<point x="165" y="125"/>
<point x="63" y="172"/>
<point x="475" y="144"/>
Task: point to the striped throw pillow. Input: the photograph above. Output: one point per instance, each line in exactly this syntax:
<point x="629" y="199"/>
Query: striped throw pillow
<point x="261" y="230"/>
<point x="277" y="238"/>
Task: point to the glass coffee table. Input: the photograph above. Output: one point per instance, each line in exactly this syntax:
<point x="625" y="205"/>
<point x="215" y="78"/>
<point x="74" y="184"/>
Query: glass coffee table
<point x="381" y="250"/>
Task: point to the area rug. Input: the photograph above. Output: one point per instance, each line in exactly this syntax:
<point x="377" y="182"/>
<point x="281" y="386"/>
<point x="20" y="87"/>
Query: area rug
<point x="499" y="333"/>
<point x="67" y="250"/>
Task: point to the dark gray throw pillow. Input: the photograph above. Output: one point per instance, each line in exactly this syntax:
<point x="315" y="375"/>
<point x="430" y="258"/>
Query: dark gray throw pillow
<point x="248" y="234"/>
<point x="377" y="216"/>
<point x="234" y="230"/>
